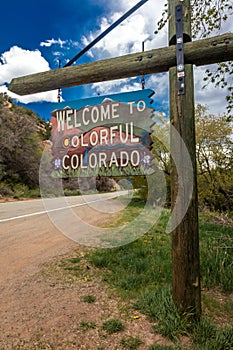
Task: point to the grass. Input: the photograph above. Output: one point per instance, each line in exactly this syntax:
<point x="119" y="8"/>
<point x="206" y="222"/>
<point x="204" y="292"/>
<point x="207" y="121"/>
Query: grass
<point x="131" y="267"/>
<point x="217" y="306"/>
<point x="113" y="325"/>
<point x="216" y="256"/>
<point x="140" y="273"/>
<point x="210" y="337"/>
<point x="158" y="306"/>
<point x="89" y="299"/>
<point x="87" y="325"/>
<point x="131" y="343"/>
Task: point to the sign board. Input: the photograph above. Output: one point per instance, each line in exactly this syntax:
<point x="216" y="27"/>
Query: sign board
<point x="103" y="136"/>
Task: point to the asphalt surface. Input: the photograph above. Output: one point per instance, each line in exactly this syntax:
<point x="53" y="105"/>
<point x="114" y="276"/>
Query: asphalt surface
<point x="33" y="231"/>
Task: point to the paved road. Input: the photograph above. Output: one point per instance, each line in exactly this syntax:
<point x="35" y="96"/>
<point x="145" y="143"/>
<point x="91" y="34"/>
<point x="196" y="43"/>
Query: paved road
<point x="17" y="210"/>
<point x="31" y="232"/>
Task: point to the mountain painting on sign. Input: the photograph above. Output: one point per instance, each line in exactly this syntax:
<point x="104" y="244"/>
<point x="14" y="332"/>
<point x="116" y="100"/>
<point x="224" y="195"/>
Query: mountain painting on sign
<point x="105" y="137"/>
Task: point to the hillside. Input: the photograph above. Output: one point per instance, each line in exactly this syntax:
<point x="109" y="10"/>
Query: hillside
<point x="21" y="145"/>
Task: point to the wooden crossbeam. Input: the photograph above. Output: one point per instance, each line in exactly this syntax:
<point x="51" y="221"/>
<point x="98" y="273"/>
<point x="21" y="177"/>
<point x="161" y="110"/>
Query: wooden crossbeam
<point x="199" y="53"/>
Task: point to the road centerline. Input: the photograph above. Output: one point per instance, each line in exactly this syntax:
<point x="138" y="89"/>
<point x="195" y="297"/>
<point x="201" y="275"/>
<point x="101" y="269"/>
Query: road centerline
<point x="52" y="210"/>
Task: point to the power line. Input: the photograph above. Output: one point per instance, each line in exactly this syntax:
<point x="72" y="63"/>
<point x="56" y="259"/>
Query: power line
<point x="108" y="30"/>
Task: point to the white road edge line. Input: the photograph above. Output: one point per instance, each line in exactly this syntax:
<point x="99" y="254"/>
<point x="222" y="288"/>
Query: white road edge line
<point x="52" y="210"/>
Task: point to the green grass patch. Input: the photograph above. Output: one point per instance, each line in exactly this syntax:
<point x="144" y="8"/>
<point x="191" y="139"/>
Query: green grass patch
<point x="72" y="264"/>
<point x="216" y="255"/>
<point x="130" y="343"/>
<point x="133" y="209"/>
<point x="75" y="260"/>
<point x="217" y="306"/>
<point x="89" y="299"/>
<point x="141" y="264"/>
<point x="85" y="326"/>
<point x="207" y="336"/>
<point x="146" y="262"/>
<point x="113" y="326"/>
<point x="158" y="306"/>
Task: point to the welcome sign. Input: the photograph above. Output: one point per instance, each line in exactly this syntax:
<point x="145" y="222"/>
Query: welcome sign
<point x="105" y="136"/>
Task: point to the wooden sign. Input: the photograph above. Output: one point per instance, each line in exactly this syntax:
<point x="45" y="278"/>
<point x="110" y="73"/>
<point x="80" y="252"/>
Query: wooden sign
<point x="103" y="136"/>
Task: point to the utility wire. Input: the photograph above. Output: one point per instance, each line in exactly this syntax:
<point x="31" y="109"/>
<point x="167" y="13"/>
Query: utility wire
<point x="108" y="30"/>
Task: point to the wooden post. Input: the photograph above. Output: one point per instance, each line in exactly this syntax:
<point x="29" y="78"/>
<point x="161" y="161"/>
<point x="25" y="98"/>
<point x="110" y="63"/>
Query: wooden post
<point x="185" y="239"/>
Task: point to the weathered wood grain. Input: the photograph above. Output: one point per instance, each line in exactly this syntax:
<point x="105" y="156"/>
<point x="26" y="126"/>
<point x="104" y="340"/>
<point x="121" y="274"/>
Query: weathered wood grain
<point x="186" y="290"/>
<point x="200" y="52"/>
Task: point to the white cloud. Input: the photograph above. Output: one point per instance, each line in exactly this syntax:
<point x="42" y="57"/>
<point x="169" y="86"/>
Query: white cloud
<point x="129" y="35"/>
<point x="19" y="62"/>
<point x="213" y="97"/>
<point x="50" y="42"/>
<point x="160" y="84"/>
<point x="127" y="38"/>
<point x="50" y="96"/>
<point x="116" y="86"/>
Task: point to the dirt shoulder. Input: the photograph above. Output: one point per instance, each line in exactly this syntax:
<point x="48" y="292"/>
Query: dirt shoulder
<point x="43" y="305"/>
<point x="48" y="311"/>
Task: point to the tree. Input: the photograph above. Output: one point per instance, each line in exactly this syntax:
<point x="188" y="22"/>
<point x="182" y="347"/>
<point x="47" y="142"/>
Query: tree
<point x="214" y="151"/>
<point x="215" y="160"/>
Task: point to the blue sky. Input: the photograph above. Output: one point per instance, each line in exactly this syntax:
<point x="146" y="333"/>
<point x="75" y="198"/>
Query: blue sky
<point x="36" y="34"/>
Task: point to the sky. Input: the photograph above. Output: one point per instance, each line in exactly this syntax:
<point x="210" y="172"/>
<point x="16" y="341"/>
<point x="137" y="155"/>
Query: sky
<point x="37" y="35"/>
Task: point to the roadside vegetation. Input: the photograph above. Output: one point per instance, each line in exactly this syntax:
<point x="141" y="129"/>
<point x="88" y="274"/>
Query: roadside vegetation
<point x="140" y="274"/>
